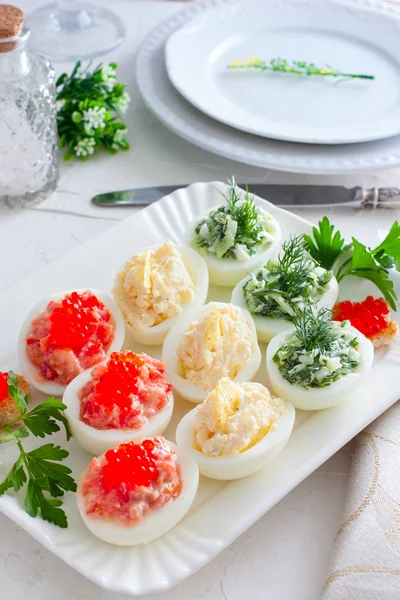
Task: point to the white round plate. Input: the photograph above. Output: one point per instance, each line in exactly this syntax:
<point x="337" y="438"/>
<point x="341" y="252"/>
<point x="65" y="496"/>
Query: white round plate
<point x="319" y="110"/>
<point x="181" y="117"/>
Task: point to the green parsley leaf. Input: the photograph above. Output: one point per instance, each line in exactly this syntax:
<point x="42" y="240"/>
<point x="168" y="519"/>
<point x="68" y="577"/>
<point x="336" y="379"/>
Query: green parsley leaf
<point x="42" y="419"/>
<point x="47" y="479"/>
<point x="15" y="478"/>
<point x="42" y="463"/>
<point x="49" y="508"/>
<point x="391" y="244"/>
<point x="363" y="264"/>
<point x="17" y="393"/>
<point x="326" y="246"/>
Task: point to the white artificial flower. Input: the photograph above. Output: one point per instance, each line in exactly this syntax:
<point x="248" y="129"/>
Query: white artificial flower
<point x="85" y="147"/>
<point x="94" y="118"/>
<point x="119" y="136"/>
<point x="109" y="77"/>
<point x="122" y="102"/>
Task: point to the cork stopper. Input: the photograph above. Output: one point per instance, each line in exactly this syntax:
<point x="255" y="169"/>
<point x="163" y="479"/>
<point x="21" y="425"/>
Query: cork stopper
<point x="11" y="22"/>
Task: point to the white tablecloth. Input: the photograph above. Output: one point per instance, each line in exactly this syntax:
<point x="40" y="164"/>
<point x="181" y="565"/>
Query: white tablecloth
<point x="285" y="555"/>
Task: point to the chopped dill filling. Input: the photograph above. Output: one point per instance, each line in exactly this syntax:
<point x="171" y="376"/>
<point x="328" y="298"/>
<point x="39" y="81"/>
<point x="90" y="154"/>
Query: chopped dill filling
<point x="319" y="351"/>
<point x="238" y="229"/>
<point x="283" y="287"/>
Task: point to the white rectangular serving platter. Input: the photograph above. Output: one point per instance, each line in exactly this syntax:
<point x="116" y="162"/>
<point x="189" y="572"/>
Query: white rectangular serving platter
<point x="222" y="511"/>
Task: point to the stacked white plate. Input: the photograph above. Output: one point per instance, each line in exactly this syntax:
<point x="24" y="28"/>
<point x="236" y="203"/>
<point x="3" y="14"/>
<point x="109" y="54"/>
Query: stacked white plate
<point x="275" y="120"/>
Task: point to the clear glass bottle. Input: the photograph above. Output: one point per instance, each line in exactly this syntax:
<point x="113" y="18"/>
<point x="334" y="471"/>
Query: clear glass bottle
<point x="28" y="132"/>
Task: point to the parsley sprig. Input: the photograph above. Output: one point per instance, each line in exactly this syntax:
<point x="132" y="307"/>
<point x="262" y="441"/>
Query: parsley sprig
<point x="374" y="264"/>
<point x="327" y="246"/>
<point x="40" y="469"/>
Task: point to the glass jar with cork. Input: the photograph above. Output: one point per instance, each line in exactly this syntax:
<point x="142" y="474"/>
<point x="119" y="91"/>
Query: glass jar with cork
<point x="28" y="132"/>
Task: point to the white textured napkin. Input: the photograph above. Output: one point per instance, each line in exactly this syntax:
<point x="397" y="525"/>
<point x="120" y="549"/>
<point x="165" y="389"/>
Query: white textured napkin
<point x="365" y="562"/>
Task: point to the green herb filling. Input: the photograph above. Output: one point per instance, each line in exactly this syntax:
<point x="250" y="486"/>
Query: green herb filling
<point x="319" y="351"/>
<point x="280" y="288"/>
<point x="238" y="229"/>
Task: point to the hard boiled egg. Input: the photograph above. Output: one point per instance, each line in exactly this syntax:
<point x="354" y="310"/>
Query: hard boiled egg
<point x="266" y="327"/>
<point x="314" y="398"/>
<point x="216" y="340"/>
<point x="97" y="441"/>
<point x="156" y="287"/>
<point x="153" y="524"/>
<point x="29" y="370"/>
<point x="228" y="465"/>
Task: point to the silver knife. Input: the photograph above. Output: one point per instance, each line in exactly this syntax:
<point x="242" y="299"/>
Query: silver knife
<point x="280" y="195"/>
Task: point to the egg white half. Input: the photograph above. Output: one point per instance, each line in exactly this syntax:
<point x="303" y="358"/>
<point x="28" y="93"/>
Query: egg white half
<point x="266" y="327"/>
<point x="195" y="264"/>
<point x="29" y="370"/>
<point x="170" y="358"/>
<point x="236" y="465"/>
<point x="98" y="441"/>
<point x="318" y="398"/>
<point x="226" y="272"/>
<point x="154" y="524"/>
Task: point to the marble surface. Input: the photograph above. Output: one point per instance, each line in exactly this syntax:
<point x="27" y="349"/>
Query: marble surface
<point x="288" y="549"/>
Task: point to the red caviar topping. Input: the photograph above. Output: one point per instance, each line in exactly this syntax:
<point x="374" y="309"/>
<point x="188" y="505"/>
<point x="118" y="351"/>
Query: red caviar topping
<point x="369" y="316"/>
<point x="3" y="386"/>
<point x="125" y="392"/>
<point x="119" y="381"/>
<point x="69" y="336"/>
<point x="130" y="465"/>
<point x="76" y="320"/>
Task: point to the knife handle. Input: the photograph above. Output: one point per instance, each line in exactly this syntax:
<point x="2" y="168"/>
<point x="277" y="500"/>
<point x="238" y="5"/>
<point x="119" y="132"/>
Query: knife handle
<point x="380" y="198"/>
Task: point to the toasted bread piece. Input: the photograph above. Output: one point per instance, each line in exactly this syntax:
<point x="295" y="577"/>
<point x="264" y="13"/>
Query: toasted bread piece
<point x="385" y="336"/>
<point x="8" y="409"/>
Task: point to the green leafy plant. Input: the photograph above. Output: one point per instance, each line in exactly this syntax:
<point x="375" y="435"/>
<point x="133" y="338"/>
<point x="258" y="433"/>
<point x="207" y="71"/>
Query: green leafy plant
<point x="326" y="246"/>
<point x="91" y="104"/>
<point x="296" y="67"/>
<point x="40" y="469"/>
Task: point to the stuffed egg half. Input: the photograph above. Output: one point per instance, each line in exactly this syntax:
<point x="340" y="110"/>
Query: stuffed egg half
<point x="236" y="431"/>
<point x="126" y="398"/>
<point x="217" y="340"/>
<point x="236" y="237"/>
<point x="315" y="376"/>
<point x="273" y="293"/>
<point x="65" y="334"/>
<point x="157" y="286"/>
<point x="135" y="493"/>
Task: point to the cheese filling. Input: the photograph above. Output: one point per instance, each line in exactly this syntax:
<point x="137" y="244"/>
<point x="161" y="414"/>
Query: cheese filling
<point x="218" y="345"/>
<point x="153" y="287"/>
<point x="234" y="417"/>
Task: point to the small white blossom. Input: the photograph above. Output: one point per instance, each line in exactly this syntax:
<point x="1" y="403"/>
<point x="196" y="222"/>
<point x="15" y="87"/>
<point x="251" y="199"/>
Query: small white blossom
<point x="94" y="118"/>
<point x="109" y="77"/>
<point x="85" y="147"/>
<point x="119" y="136"/>
<point x="122" y="102"/>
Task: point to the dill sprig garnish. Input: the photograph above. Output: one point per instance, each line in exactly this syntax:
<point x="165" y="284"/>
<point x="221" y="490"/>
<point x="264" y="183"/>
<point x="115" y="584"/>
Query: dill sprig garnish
<point x="294" y="266"/>
<point x="280" y="288"/>
<point x="296" y="67"/>
<point x="314" y="329"/>
<point x="244" y="212"/>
